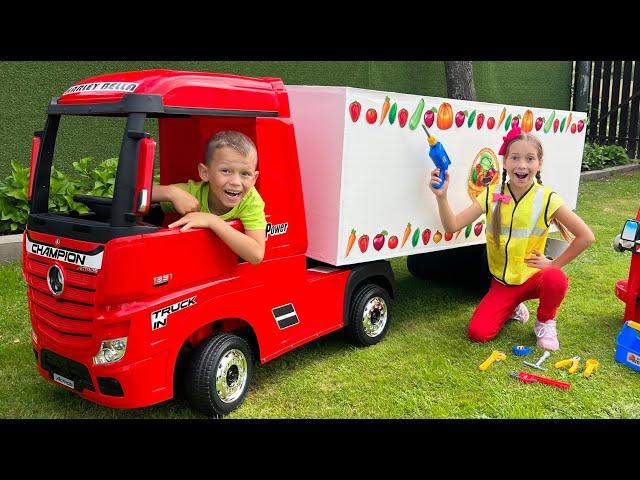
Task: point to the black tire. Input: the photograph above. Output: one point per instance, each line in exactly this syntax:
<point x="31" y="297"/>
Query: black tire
<point x="369" y="315"/>
<point x="229" y="353"/>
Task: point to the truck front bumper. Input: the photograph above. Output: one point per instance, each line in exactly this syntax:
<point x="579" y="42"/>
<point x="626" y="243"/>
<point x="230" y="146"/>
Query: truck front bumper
<point x="121" y="385"/>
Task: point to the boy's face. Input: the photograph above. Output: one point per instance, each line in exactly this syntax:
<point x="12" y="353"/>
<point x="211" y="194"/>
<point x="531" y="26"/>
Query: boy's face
<point x="230" y="175"/>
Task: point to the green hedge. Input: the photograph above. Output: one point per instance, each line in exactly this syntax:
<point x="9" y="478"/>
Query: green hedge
<point x="89" y="180"/>
<point x="597" y="157"/>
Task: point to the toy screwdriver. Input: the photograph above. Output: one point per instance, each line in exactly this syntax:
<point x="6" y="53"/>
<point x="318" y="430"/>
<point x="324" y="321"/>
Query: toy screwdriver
<point x="525" y="377"/>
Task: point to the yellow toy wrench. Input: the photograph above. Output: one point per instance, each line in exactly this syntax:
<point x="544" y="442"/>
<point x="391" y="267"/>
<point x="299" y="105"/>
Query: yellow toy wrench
<point x="591" y="366"/>
<point x="573" y="361"/>
<point x="495" y="356"/>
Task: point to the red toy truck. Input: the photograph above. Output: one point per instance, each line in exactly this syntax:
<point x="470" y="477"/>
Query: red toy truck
<point x="120" y="304"/>
<point x="629" y="290"/>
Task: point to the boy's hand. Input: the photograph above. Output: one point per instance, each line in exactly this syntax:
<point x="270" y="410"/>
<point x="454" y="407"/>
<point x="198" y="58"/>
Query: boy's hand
<point x="435" y="179"/>
<point x="184" y="202"/>
<point x="538" y="260"/>
<point x="193" y="220"/>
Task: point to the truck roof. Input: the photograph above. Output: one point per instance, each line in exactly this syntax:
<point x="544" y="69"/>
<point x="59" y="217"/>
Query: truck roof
<point x="176" y="90"/>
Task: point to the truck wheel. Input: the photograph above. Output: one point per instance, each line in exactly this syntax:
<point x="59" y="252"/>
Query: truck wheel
<point x="369" y="315"/>
<point x="219" y="374"/>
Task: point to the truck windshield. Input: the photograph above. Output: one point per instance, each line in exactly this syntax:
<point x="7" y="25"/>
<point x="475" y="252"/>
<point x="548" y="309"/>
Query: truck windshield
<point x="85" y="180"/>
<point x="85" y="159"/>
<point x="85" y="164"/>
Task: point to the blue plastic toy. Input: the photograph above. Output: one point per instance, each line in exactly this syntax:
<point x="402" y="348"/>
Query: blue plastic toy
<point x="521" y="350"/>
<point x="439" y="157"/>
<point x="628" y="345"/>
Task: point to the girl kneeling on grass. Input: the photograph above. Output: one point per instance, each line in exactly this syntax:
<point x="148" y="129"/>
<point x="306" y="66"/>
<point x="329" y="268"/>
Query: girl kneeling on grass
<point x="519" y="213"/>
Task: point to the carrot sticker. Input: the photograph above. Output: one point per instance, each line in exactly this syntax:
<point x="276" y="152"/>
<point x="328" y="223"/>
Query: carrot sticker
<point x="351" y="241"/>
<point x="501" y="119"/>
<point x="405" y="236"/>
<point x="385" y="109"/>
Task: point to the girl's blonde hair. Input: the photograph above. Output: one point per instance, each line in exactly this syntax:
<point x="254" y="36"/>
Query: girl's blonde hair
<point x="496" y="222"/>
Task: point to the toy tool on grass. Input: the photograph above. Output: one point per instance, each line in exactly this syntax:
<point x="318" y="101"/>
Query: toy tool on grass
<point x="439" y="157"/>
<point x="573" y="361"/>
<point x="494" y="357"/>
<point x="525" y="377"/>
<point x="538" y="364"/>
<point x="521" y="350"/>
<point x="591" y="366"/>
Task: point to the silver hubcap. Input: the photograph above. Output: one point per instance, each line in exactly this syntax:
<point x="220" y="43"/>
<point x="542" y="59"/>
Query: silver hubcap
<point x="231" y="375"/>
<point x="374" y="317"/>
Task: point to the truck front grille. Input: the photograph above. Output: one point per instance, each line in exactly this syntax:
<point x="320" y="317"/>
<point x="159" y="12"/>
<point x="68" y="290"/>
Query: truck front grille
<point x="67" y="318"/>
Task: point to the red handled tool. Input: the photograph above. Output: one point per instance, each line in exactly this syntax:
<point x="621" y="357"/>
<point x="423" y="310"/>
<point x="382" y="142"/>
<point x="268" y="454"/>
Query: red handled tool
<point x="528" y="378"/>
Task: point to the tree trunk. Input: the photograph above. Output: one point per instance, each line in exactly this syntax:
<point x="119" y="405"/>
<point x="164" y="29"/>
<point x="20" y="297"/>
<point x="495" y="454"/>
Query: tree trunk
<point x="460" y="80"/>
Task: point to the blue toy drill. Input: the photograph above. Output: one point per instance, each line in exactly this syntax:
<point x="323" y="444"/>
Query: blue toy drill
<point x="438" y="155"/>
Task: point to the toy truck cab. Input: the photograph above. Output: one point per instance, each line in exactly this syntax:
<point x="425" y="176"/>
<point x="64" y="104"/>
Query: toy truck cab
<point x="119" y="302"/>
<point x="629" y="290"/>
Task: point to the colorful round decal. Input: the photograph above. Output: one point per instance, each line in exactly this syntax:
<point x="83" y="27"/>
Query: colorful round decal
<point x="485" y="171"/>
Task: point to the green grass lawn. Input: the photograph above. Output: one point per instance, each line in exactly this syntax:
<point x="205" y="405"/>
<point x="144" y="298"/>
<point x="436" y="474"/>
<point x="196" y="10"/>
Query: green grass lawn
<point x="425" y="368"/>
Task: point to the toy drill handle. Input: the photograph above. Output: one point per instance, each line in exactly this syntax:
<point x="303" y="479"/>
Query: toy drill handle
<point x="441" y="160"/>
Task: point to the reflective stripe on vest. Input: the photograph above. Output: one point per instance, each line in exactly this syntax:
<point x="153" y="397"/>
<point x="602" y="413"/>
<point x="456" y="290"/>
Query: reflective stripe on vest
<point x="524" y="229"/>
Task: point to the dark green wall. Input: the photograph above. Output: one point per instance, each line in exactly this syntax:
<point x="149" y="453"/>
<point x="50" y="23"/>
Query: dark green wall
<point x="27" y="88"/>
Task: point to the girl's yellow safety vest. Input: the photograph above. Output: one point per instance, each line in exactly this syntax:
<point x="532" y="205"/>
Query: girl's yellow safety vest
<point x="525" y="226"/>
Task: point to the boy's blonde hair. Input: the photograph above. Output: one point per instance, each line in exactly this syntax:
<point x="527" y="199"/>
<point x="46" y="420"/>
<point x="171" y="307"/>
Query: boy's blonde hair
<point x="497" y="216"/>
<point x="229" y="138"/>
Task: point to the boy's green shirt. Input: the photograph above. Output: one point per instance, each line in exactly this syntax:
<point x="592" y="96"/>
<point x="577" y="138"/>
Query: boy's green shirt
<point x="250" y="210"/>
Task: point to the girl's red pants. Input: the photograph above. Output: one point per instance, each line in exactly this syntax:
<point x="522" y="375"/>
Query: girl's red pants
<point x="549" y="285"/>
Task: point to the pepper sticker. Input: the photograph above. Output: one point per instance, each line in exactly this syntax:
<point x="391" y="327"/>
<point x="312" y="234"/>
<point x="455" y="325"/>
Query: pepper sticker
<point x="354" y="111"/>
<point x="403" y="116"/>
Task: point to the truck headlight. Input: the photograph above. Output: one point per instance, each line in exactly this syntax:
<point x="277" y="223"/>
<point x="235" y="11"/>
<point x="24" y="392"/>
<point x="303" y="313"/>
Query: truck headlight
<point x="111" y="351"/>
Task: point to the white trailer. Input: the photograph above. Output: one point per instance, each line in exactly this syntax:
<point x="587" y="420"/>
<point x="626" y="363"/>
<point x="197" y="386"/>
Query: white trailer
<point x="365" y="166"/>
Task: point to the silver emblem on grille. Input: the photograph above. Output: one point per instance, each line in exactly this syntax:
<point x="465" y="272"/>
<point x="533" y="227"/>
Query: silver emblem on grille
<point x="55" y="280"/>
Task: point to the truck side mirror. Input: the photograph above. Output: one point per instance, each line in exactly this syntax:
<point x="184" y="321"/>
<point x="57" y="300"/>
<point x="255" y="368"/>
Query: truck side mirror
<point x="35" y="150"/>
<point x="631" y="231"/>
<point x="144" y="179"/>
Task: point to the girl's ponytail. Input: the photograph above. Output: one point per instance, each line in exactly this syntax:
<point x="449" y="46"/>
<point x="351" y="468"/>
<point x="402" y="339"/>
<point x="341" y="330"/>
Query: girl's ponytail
<point x="496" y="221"/>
